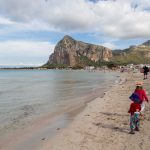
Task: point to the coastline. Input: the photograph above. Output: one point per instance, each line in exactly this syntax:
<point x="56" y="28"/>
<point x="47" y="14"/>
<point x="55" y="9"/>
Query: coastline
<point x="104" y="123"/>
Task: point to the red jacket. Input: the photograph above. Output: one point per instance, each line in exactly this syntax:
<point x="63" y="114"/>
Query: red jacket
<point x="142" y="95"/>
<point x="133" y="107"/>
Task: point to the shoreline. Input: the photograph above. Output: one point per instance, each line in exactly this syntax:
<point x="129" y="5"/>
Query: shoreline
<point x="104" y="123"/>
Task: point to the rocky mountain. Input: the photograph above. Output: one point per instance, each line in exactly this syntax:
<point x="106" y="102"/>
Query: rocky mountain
<point x="72" y="53"/>
<point x="134" y="54"/>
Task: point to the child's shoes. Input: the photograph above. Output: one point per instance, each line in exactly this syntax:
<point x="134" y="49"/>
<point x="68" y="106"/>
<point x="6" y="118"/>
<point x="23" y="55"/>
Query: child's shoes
<point x="132" y="132"/>
<point x="137" y="129"/>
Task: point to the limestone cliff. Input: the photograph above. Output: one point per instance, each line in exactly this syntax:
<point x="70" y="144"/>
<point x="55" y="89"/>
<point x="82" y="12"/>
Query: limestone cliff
<point x="71" y="52"/>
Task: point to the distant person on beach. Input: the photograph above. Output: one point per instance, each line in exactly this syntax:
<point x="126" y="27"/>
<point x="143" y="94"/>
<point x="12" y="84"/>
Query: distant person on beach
<point x="145" y="71"/>
<point x="134" y="117"/>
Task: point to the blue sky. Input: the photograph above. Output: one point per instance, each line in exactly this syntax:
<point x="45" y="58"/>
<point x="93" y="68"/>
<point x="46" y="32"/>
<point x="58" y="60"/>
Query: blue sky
<point x="30" y="29"/>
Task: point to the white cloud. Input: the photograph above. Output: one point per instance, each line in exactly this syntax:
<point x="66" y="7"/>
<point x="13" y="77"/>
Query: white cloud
<point x="119" y="18"/>
<point x="109" y="45"/>
<point x="25" y="52"/>
<point x="5" y="21"/>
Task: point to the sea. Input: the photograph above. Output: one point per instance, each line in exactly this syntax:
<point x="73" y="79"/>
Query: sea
<point x="26" y="95"/>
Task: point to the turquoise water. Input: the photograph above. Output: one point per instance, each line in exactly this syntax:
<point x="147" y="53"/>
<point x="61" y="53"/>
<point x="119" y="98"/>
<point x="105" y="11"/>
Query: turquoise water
<point x="27" y="94"/>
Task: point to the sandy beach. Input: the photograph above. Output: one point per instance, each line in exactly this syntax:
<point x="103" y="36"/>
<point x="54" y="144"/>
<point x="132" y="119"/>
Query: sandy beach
<point x="104" y="123"/>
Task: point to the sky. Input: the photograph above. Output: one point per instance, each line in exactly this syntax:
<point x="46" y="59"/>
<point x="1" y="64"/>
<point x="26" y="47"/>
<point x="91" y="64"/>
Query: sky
<point x="30" y="29"/>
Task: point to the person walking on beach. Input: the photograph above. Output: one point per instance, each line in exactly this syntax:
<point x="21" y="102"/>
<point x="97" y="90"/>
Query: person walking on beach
<point x="134" y="111"/>
<point x="141" y="94"/>
<point x="137" y="107"/>
<point x="145" y="71"/>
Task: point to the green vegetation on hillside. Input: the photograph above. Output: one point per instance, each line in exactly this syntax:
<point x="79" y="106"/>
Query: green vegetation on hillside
<point x="135" y="56"/>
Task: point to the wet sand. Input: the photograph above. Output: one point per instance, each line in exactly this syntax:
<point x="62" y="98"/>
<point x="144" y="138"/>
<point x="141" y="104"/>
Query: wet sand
<point x="104" y="123"/>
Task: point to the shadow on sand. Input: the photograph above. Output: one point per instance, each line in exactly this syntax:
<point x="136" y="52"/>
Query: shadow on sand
<point x="114" y="114"/>
<point x="112" y="126"/>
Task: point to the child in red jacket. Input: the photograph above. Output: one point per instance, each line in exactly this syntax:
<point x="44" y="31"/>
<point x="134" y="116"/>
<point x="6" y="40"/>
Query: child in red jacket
<point x="142" y="95"/>
<point x="137" y="106"/>
<point x="134" y="118"/>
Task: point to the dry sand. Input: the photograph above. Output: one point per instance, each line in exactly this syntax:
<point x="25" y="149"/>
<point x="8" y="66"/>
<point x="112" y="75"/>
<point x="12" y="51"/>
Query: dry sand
<point x="104" y="123"/>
